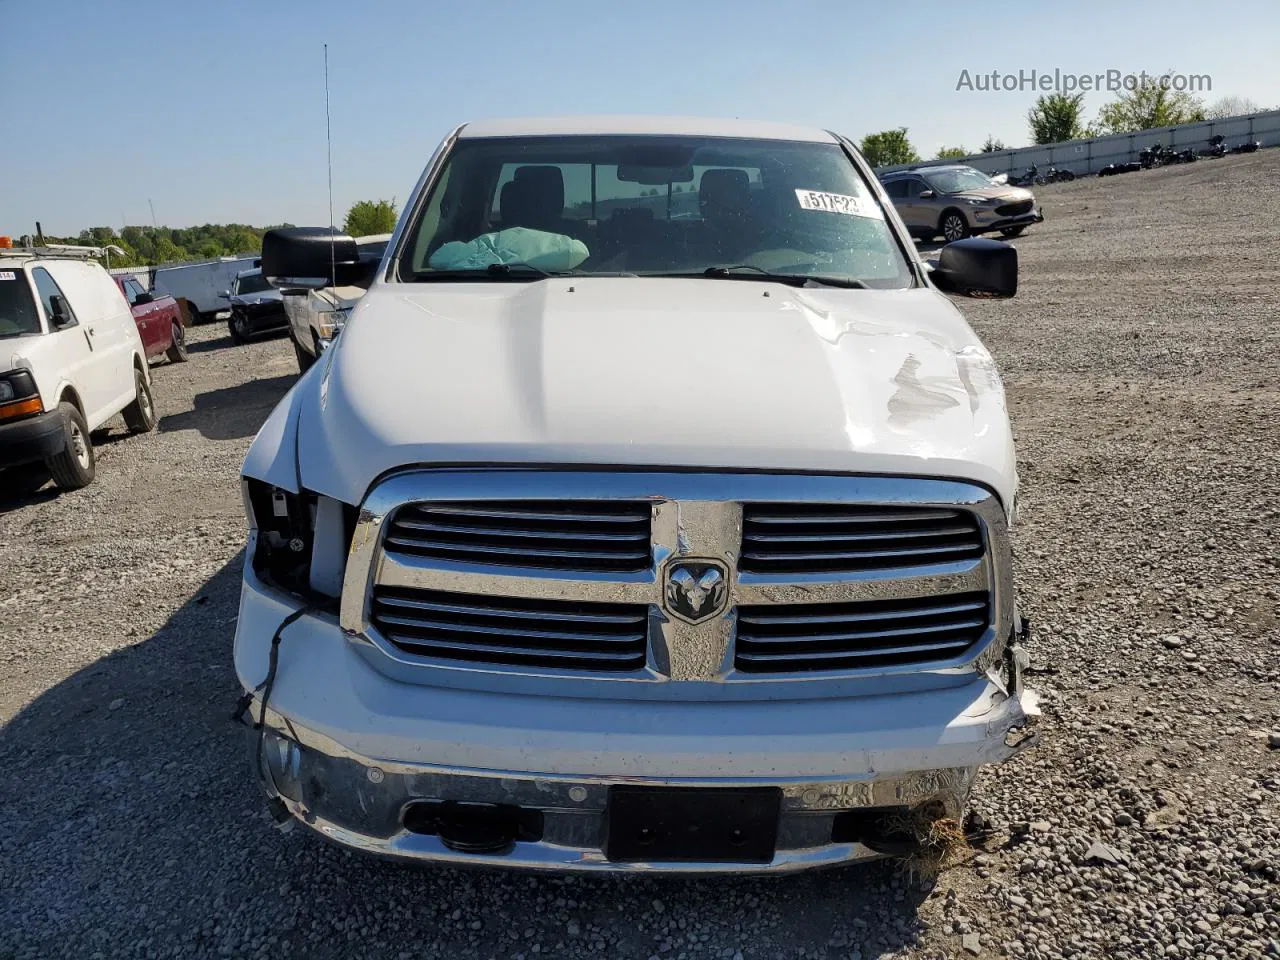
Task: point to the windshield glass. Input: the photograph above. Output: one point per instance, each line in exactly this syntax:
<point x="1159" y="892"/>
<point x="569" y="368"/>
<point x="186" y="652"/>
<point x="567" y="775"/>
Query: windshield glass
<point x="17" y="307"/>
<point x="253" y="283"/>
<point x="650" y="205"/>
<point x="957" y="180"/>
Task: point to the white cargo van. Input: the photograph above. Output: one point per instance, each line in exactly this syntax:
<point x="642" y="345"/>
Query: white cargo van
<point x="70" y="360"/>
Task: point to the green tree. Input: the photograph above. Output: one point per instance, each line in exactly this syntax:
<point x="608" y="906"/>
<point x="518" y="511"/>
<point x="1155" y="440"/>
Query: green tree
<point x="951" y="153"/>
<point x="993" y="145"/>
<point x="1152" y="103"/>
<point x="1056" y="117"/>
<point x="369" y="217"/>
<point x="889" y="147"/>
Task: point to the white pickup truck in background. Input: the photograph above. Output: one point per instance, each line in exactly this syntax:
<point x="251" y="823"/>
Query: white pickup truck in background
<point x="317" y="316"/>
<point x="620" y="534"/>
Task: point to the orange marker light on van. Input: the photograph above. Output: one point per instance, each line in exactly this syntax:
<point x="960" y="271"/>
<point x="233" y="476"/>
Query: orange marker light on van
<point x="21" y="408"/>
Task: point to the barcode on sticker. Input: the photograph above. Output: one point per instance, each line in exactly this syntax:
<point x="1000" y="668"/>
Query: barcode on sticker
<point x="836" y="203"/>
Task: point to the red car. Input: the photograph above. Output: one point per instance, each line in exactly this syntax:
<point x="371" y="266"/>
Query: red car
<point x="159" y="321"/>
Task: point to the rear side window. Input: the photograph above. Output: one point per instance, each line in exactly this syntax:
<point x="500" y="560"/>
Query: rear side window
<point x="18" y="315"/>
<point x="897" y="189"/>
<point x="46" y="289"/>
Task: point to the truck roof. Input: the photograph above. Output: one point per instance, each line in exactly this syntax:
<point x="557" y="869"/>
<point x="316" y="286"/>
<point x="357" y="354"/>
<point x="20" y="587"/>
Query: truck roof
<point x="642" y="125"/>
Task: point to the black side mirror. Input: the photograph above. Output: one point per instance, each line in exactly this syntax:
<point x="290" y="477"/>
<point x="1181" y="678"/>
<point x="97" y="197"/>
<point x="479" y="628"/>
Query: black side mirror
<point x="977" y="267"/>
<point x="143" y="299"/>
<point x="59" y="315"/>
<point x="310" y="258"/>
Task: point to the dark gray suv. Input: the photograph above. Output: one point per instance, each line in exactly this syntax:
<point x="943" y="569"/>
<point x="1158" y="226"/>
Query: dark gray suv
<point x="955" y="201"/>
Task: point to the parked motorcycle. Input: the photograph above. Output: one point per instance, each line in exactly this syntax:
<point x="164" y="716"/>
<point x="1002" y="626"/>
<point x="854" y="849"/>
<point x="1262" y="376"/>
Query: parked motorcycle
<point x="1112" y="169"/>
<point x="1249" y="146"/>
<point x="1217" y="147"/>
<point x="1155" y="155"/>
<point x="1185" y="156"/>
<point x="1028" y="179"/>
<point x="1056" y="176"/>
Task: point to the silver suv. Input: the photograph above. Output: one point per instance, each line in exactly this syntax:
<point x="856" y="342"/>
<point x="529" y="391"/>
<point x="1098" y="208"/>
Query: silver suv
<point x="956" y="201"/>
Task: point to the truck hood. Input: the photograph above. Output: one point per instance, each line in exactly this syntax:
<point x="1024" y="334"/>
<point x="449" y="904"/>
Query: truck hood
<point x="653" y="372"/>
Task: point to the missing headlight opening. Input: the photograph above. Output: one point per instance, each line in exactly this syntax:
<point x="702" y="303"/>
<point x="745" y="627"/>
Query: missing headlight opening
<point x="285" y="522"/>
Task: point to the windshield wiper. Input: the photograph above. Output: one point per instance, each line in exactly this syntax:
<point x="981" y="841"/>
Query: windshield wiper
<point x="506" y="269"/>
<point x="793" y="279"/>
<point x="494" y="271"/>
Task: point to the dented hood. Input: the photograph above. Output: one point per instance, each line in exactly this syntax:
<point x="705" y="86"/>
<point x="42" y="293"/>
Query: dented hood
<point x="654" y="372"/>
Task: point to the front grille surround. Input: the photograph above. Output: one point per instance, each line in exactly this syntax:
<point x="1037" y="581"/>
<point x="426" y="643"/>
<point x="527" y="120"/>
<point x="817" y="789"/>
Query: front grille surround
<point x="691" y="514"/>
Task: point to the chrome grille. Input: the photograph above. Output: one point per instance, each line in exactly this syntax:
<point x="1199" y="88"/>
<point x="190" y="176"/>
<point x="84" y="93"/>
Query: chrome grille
<point x="799" y="637"/>
<point x="829" y="576"/>
<point x="1016" y="209"/>
<point x="827" y="538"/>
<point x="589" y="536"/>
<point x="497" y="630"/>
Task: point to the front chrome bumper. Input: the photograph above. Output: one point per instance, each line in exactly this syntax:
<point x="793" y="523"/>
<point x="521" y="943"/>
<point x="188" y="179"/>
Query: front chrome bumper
<point x="361" y="803"/>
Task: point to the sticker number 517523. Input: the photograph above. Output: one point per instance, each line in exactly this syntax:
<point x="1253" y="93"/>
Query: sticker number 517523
<point x="8" y="275"/>
<point x="836" y="203"/>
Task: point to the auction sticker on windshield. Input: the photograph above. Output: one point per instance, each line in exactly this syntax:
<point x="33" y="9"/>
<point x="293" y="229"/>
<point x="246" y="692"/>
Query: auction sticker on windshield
<point x="8" y="275"/>
<point x="838" y="203"/>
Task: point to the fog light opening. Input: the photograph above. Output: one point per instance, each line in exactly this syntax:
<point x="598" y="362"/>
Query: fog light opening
<point x="282" y="759"/>
<point x="473" y="827"/>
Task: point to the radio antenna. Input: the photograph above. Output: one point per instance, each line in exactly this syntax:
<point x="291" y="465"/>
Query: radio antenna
<point x="328" y="138"/>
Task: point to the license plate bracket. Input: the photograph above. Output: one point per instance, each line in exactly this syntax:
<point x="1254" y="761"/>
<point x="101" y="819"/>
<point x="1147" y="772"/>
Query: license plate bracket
<point x="692" y="824"/>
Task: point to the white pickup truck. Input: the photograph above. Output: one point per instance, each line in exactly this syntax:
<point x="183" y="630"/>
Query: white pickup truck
<point x="626" y="532"/>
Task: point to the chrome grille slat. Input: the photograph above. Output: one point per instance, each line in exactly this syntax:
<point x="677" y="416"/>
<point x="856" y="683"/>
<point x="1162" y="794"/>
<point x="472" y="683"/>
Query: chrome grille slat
<point x="639" y="513"/>
<point x="479" y="608"/>
<point x="834" y="555"/>
<point x="765" y="514"/>
<point x="591" y="536"/>
<point x="770" y="619"/>
<point x="861" y="635"/>
<point x="833" y="539"/>
<point x="523" y="633"/>
<point x="424" y="544"/>
<point x="833" y="657"/>
<point x="851" y="537"/>
<point x="798" y="637"/>
<point x="521" y="656"/>
<point x="504" y="631"/>
<point x="641" y="536"/>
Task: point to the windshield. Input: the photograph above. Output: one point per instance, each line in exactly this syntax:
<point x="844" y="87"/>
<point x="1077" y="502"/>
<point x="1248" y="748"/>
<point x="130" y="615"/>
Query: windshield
<point x="253" y="283"/>
<point x="651" y="206"/>
<point x="957" y="180"/>
<point x="17" y="307"/>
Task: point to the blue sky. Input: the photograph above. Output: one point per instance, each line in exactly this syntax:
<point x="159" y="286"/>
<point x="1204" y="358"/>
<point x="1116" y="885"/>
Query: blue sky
<point x="214" y="111"/>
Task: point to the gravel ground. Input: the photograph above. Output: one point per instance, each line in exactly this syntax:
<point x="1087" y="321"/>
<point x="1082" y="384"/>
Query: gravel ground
<point x="1140" y="362"/>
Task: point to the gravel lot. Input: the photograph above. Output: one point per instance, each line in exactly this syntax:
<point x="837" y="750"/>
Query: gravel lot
<point x="1141" y="363"/>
